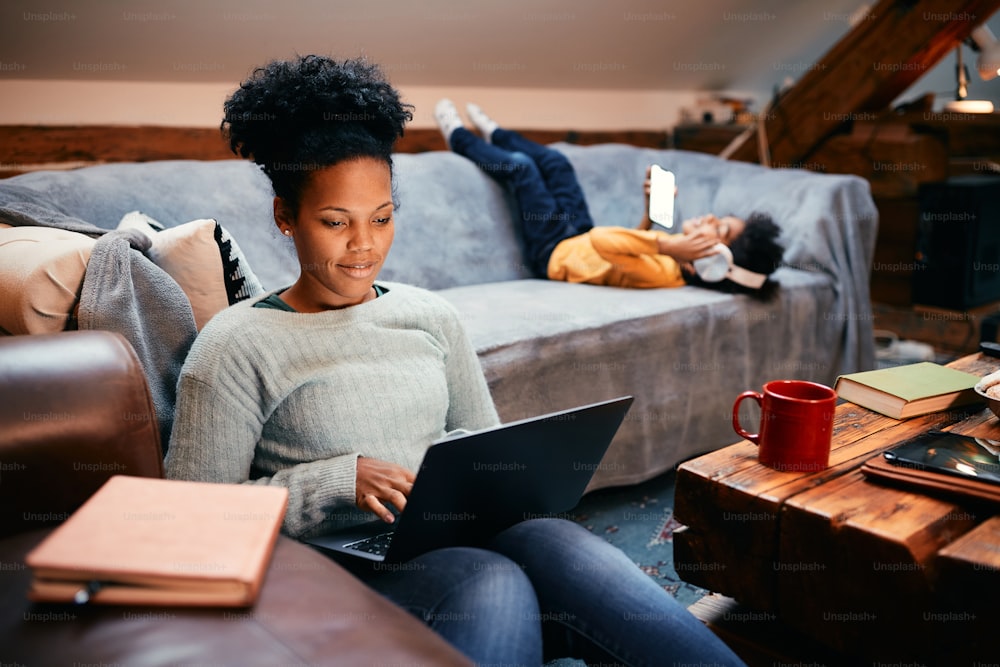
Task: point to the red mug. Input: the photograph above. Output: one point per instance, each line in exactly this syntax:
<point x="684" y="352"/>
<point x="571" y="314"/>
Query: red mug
<point x="796" y="424"/>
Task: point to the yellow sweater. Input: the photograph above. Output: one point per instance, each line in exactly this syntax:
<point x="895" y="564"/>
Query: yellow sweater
<point x="614" y="256"/>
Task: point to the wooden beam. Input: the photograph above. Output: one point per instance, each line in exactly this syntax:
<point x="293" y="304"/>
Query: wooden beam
<point x="879" y="59"/>
<point x="25" y="148"/>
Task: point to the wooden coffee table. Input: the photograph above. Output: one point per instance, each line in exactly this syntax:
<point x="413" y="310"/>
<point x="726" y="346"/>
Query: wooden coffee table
<point x="871" y="570"/>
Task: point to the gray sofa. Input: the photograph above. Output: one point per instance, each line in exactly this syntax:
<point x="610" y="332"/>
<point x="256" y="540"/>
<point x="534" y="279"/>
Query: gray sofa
<point x="684" y="353"/>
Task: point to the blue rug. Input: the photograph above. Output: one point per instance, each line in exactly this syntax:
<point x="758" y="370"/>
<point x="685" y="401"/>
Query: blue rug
<point x="639" y="520"/>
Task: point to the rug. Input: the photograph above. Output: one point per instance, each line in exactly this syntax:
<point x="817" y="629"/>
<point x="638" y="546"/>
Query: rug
<point x="639" y="520"/>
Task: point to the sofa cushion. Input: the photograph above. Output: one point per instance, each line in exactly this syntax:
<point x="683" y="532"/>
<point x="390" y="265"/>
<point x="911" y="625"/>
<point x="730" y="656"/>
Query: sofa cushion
<point x="41" y="273"/>
<point x="204" y="260"/>
<point x="454" y="225"/>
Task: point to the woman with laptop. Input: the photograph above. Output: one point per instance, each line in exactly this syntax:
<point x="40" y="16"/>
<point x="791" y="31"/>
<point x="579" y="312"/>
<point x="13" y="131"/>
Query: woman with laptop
<point x="335" y="386"/>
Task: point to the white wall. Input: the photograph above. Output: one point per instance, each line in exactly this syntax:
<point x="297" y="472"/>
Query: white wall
<point x="30" y="102"/>
<point x="579" y="64"/>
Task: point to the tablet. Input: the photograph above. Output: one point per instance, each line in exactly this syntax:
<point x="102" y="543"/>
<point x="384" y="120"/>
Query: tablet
<point x="950" y="454"/>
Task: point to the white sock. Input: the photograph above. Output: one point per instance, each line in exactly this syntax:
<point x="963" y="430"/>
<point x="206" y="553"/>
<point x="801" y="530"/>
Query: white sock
<point x="485" y="124"/>
<point x="447" y="117"/>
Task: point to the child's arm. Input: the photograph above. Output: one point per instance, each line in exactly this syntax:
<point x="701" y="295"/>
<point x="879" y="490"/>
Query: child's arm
<point x="633" y="254"/>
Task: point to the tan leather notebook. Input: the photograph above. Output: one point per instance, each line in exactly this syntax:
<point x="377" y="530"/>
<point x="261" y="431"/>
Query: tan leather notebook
<point x="148" y="541"/>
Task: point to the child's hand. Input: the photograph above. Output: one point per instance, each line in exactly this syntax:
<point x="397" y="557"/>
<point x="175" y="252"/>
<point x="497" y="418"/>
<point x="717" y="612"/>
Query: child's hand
<point x="689" y="247"/>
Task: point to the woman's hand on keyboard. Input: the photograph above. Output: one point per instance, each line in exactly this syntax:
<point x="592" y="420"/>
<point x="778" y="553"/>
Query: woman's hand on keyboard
<point x="379" y="483"/>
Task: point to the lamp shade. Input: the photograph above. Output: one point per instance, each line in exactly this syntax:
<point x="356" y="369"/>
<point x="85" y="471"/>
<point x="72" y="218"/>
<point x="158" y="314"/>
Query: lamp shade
<point x="988" y="63"/>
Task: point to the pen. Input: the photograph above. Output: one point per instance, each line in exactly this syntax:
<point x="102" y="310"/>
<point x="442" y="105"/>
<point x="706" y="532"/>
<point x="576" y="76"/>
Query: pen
<point x="84" y="595"/>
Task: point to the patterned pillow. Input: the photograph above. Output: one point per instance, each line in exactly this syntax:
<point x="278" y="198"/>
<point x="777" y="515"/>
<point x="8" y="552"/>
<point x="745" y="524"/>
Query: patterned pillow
<point x="203" y="258"/>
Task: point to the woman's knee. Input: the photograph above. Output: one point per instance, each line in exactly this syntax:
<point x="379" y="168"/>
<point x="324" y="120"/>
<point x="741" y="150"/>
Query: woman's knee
<point x="552" y="532"/>
<point x="546" y="528"/>
<point x="480" y="575"/>
<point x="480" y="601"/>
<point x="535" y="542"/>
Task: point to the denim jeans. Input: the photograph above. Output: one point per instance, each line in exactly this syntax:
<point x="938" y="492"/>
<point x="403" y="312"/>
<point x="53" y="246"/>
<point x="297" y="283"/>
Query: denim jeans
<point x="552" y="205"/>
<point x="550" y="578"/>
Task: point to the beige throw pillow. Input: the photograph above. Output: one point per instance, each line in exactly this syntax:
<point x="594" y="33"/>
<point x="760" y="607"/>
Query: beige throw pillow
<point x="41" y="273"/>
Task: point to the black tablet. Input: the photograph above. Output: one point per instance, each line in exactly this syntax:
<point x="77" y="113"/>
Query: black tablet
<point x="951" y="454"/>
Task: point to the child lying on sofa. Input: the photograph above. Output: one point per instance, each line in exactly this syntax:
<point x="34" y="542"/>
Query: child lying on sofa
<point x="562" y="243"/>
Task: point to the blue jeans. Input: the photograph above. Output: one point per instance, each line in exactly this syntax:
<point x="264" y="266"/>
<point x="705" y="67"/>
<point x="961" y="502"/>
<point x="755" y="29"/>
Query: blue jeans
<point x="550" y="578"/>
<point x="552" y="205"/>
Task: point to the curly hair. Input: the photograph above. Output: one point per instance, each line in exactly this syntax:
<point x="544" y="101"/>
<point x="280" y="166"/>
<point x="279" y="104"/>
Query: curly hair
<point x="756" y="249"/>
<point x="293" y="117"/>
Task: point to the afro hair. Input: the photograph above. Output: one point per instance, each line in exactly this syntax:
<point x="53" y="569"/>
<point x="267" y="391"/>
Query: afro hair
<point x="293" y="117"/>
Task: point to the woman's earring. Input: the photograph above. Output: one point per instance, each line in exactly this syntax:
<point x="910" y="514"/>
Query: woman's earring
<point x="288" y="232"/>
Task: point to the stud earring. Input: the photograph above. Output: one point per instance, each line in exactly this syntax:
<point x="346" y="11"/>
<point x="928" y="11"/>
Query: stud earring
<point x="288" y="232"/>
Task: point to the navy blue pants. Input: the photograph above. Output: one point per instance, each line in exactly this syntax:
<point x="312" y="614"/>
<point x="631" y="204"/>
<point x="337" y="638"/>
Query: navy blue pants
<point x="552" y="205"/>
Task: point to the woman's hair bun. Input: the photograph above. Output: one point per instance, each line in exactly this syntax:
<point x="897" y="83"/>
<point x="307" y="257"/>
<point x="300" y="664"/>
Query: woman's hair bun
<point x="311" y="112"/>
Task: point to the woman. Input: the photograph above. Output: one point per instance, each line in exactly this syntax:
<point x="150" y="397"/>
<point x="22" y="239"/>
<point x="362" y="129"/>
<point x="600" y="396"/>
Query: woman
<point x="335" y="386"/>
<point x="561" y="241"/>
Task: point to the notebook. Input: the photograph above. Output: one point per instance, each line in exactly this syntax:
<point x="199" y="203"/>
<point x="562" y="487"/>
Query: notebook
<point x="150" y="541"/>
<point x="473" y="485"/>
<point x="910" y="390"/>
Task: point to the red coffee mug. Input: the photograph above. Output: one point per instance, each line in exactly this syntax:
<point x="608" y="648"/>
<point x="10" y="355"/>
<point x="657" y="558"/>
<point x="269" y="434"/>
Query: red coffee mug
<point x="796" y="424"/>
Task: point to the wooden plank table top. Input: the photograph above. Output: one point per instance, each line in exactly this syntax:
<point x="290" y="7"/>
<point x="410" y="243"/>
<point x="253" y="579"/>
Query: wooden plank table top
<point x="867" y="568"/>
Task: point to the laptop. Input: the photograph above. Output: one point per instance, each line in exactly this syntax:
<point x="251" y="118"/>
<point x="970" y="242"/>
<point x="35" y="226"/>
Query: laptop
<point x="473" y="485"/>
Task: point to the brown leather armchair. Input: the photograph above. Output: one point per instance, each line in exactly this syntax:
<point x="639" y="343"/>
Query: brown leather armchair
<point x="74" y="410"/>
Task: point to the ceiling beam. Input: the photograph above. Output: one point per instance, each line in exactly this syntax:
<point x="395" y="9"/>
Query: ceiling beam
<point x="886" y="51"/>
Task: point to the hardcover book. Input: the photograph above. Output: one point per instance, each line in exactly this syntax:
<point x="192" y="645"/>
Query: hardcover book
<point x="909" y="390"/>
<point x="148" y="541"/>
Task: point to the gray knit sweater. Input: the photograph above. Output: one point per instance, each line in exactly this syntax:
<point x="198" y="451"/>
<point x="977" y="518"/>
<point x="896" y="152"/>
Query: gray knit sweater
<point x="292" y="399"/>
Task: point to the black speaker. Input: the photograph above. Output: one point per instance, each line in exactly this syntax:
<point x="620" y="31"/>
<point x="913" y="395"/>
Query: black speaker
<point x="958" y="243"/>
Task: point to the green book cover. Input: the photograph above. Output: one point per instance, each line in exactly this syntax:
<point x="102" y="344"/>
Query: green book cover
<point x="915" y="381"/>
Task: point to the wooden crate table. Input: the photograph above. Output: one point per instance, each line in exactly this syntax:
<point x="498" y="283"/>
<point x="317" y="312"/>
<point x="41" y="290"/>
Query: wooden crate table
<point x="866" y="568"/>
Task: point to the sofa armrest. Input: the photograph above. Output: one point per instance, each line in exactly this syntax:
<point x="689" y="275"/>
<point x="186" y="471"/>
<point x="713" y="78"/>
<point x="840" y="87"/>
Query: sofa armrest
<point x="75" y="409"/>
<point x="310" y="611"/>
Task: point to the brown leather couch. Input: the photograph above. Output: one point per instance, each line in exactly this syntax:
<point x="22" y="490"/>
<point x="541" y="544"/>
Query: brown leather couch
<point x="74" y="410"/>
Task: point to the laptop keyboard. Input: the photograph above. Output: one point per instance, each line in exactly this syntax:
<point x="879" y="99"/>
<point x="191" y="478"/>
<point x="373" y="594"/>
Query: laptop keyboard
<point x="376" y="544"/>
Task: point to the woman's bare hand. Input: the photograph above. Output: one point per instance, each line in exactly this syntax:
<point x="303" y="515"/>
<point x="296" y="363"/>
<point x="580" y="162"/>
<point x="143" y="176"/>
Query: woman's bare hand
<point x="380" y="483"/>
